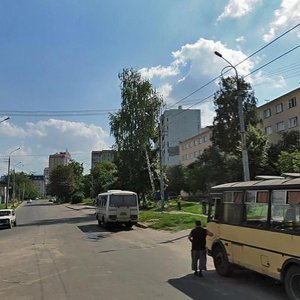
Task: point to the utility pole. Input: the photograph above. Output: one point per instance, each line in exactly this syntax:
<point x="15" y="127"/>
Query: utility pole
<point x="162" y="185"/>
<point x="150" y="172"/>
<point x="245" y="159"/>
<point x="8" y="177"/>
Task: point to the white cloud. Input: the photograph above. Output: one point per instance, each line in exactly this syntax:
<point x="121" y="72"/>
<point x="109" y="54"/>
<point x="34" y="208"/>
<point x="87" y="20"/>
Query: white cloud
<point x="38" y="140"/>
<point x="9" y="129"/>
<point x="287" y="15"/>
<point x="61" y="134"/>
<point x="240" y="39"/>
<point x="276" y="82"/>
<point x="159" y="71"/>
<point x="165" y="90"/>
<point x="203" y="60"/>
<point x="195" y="65"/>
<point x="238" y="8"/>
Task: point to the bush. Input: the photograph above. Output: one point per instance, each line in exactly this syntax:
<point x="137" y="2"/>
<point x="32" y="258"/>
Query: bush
<point x="77" y="198"/>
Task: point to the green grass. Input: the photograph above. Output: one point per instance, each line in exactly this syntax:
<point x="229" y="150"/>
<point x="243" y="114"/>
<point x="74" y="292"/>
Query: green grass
<point x="88" y="201"/>
<point x="186" y="206"/>
<point x="16" y="204"/>
<point x="166" y="220"/>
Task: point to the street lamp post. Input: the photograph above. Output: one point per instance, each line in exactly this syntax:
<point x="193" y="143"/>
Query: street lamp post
<point x="8" y="174"/>
<point x="14" y="182"/>
<point x="242" y="121"/>
<point x="7" y="118"/>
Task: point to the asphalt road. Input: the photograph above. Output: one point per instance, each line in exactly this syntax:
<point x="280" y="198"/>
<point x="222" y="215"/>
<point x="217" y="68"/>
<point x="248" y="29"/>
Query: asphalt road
<point x="60" y="253"/>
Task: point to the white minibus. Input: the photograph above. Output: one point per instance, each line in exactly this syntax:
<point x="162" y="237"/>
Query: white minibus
<point x="117" y="207"/>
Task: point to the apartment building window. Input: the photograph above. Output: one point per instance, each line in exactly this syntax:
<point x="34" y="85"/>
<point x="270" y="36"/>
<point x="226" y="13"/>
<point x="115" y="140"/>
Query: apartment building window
<point x="279" y="108"/>
<point x="292" y="102"/>
<point x="195" y="154"/>
<point x="268" y="130"/>
<point x="267" y="113"/>
<point x="205" y="138"/>
<point x="279" y="126"/>
<point x="293" y="122"/>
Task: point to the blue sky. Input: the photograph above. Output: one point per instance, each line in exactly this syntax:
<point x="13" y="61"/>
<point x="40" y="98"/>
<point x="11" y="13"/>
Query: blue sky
<point x="65" y="55"/>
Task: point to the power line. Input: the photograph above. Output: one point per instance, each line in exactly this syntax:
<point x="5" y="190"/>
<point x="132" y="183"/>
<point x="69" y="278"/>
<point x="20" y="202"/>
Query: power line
<point x="254" y="53"/>
<point x="276" y="58"/>
<point x="208" y="97"/>
<point x="57" y="113"/>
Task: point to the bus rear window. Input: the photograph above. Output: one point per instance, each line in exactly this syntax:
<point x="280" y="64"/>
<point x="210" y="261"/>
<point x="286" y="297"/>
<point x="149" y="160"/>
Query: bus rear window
<point x="122" y="200"/>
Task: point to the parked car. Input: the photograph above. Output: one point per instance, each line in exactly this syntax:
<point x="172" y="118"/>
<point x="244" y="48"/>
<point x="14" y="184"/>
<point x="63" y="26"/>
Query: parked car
<point x="8" y="218"/>
<point x="29" y="201"/>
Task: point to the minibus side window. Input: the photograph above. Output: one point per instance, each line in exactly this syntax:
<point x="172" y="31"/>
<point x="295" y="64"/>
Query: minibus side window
<point x="233" y="208"/>
<point x="256" y="205"/>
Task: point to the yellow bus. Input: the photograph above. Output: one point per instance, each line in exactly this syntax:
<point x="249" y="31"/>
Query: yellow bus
<point x="256" y="225"/>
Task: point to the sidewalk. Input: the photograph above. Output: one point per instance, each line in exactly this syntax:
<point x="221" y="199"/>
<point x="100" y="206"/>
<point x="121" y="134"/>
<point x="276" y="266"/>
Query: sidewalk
<point x="81" y="206"/>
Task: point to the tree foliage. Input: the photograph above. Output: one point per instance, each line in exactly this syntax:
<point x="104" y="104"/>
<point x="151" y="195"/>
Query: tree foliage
<point x="289" y="162"/>
<point x="175" y="179"/>
<point x="258" y="147"/>
<point x="226" y="125"/>
<point x="66" y="181"/>
<point x="104" y="176"/>
<point x="289" y="143"/>
<point x="24" y="187"/>
<point x="134" y="127"/>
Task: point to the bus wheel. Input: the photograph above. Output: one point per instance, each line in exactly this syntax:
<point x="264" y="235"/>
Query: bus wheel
<point x="222" y="265"/>
<point x="292" y="283"/>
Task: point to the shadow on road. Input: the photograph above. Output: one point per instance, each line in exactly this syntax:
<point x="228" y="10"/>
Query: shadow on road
<point x="72" y="220"/>
<point x="38" y="204"/>
<point x="240" y="286"/>
<point x="96" y="228"/>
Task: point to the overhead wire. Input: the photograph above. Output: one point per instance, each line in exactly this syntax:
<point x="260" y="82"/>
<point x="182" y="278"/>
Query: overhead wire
<point x="57" y="113"/>
<point x="254" y="71"/>
<point x="248" y="57"/>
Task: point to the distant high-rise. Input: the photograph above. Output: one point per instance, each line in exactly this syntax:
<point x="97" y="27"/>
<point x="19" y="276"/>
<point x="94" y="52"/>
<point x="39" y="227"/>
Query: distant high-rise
<point x="58" y="159"/>
<point x="177" y="125"/>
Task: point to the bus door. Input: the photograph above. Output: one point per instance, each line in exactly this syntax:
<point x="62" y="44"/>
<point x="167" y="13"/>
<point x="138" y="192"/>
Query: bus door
<point x="214" y="214"/>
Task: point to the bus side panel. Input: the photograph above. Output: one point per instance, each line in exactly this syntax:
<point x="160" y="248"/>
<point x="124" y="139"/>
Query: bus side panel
<point x="258" y="250"/>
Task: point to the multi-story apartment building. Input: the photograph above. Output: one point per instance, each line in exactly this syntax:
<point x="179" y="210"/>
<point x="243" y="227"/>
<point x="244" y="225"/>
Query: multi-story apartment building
<point x="280" y="115"/>
<point x="191" y="148"/>
<point x="104" y="155"/>
<point x="177" y="125"/>
<point x="277" y="116"/>
<point x="57" y="159"/>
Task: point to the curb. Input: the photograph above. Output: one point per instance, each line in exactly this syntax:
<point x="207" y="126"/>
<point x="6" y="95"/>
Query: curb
<point x="79" y="207"/>
<point x="141" y="225"/>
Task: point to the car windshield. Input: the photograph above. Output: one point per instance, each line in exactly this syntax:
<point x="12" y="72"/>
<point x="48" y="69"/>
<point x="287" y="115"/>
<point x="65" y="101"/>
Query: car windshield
<point x="123" y="200"/>
<point x="4" y="213"/>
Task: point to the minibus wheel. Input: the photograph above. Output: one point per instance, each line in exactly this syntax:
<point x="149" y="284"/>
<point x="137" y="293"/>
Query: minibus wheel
<point x="222" y="265"/>
<point x="292" y="282"/>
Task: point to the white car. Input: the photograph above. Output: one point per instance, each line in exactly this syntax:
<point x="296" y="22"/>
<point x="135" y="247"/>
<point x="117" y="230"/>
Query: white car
<point x="8" y="218"/>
